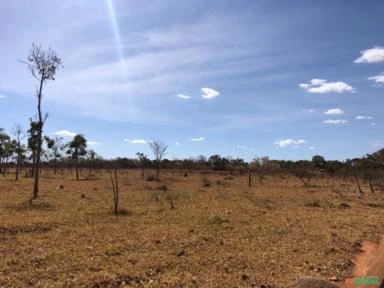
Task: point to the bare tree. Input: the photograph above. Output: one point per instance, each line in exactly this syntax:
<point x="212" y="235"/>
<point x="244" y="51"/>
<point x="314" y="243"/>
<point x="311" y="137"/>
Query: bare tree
<point x="19" y="134"/>
<point x="43" y="65"/>
<point x="158" y="148"/>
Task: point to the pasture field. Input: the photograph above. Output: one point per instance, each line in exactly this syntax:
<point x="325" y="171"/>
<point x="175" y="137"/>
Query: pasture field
<point x="219" y="232"/>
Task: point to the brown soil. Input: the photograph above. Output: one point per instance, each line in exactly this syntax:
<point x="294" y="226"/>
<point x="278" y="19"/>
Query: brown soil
<point x="369" y="262"/>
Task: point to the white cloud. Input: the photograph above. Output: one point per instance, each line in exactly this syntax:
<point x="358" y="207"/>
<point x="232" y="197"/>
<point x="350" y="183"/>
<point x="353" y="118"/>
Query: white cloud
<point x="373" y="124"/>
<point x="360" y="117"/>
<point x="373" y="55"/>
<point x="197" y="139"/>
<point x="65" y="133"/>
<point x="245" y="148"/>
<point x="379" y="79"/>
<point x="312" y="148"/>
<point x="93" y="143"/>
<point x="2" y="96"/>
<point x="138" y="141"/>
<point x="335" y="111"/>
<point x="183" y="96"/>
<point x="289" y="143"/>
<point x="209" y="93"/>
<point x="177" y="143"/>
<point x="335" y="122"/>
<point x="321" y="86"/>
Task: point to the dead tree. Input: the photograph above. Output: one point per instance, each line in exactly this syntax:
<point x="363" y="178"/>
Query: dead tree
<point x="158" y="148"/>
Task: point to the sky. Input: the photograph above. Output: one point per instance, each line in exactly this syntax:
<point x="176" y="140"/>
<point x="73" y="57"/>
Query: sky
<point x="277" y="78"/>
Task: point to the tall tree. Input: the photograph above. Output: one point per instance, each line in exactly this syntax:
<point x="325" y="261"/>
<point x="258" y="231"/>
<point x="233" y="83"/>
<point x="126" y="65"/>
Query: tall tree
<point x="77" y="148"/>
<point x="19" y="134"/>
<point x="158" y="148"/>
<point x="43" y="65"/>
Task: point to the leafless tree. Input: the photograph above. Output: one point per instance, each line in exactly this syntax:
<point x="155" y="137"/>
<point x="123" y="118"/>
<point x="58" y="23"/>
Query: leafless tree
<point x="43" y="65"/>
<point x="158" y="148"/>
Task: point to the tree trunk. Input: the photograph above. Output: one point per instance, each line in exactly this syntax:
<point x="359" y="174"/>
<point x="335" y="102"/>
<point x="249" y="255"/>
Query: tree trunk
<point x="250" y="179"/>
<point x="39" y="143"/>
<point x="158" y="171"/>
<point x="371" y="186"/>
<point x="358" y="185"/>
<point x="77" y="170"/>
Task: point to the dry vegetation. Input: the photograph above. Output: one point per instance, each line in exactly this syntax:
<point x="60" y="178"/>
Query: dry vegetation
<point x="220" y="232"/>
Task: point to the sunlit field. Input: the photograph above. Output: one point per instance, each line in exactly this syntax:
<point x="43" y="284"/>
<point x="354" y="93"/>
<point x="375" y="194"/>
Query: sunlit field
<point x="191" y="229"/>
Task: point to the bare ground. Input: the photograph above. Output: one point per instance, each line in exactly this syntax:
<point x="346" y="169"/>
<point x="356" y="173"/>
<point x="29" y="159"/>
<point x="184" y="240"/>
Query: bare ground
<point x="219" y="235"/>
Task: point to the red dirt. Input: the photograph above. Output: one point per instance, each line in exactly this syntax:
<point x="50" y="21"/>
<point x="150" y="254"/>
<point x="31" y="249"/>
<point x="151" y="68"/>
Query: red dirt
<point x="368" y="263"/>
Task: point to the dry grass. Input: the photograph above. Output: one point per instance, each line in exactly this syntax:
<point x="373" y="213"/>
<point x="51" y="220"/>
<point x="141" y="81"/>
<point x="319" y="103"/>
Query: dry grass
<point x="219" y="235"/>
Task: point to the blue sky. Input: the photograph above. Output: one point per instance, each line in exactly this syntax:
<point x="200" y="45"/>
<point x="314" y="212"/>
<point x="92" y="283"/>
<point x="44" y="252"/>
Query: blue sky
<point x="286" y="79"/>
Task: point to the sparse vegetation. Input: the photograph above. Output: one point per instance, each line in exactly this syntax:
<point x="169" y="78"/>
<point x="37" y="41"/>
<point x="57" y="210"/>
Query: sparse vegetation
<point x="190" y="237"/>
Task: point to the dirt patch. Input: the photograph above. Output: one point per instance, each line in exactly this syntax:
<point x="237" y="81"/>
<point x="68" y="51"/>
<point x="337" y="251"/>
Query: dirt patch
<point x="369" y="262"/>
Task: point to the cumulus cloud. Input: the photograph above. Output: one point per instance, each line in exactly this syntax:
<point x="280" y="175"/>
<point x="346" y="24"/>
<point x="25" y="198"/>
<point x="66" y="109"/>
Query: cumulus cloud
<point x="335" y="121"/>
<point x="311" y="148"/>
<point x="335" y="111"/>
<point x="197" y="139"/>
<point x="2" y="96"/>
<point x="65" y="133"/>
<point x="209" y="93"/>
<point x="177" y="143"/>
<point x="373" y="55"/>
<point x="183" y="96"/>
<point x="379" y="79"/>
<point x="245" y="148"/>
<point x="360" y="117"/>
<point x="289" y="143"/>
<point x="321" y="86"/>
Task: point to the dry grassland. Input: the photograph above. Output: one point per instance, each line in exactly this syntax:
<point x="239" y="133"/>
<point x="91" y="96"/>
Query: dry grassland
<point x="219" y="235"/>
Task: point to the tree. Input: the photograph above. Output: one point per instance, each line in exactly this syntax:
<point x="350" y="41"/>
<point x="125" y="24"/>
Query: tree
<point x="19" y="133"/>
<point x="77" y="148"/>
<point x="5" y="145"/>
<point x="142" y="160"/>
<point x="158" y="148"/>
<point x="56" y="147"/>
<point x="318" y="162"/>
<point x="32" y="142"/>
<point x="43" y="65"/>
